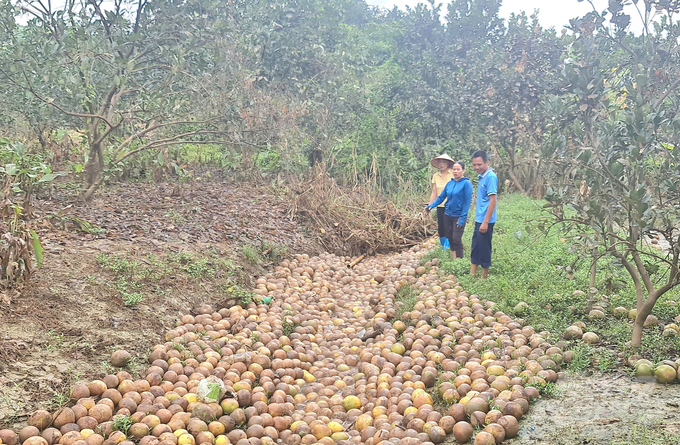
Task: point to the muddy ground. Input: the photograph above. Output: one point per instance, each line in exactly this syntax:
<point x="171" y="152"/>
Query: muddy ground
<point x="604" y="409"/>
<point x="179" y="252"/>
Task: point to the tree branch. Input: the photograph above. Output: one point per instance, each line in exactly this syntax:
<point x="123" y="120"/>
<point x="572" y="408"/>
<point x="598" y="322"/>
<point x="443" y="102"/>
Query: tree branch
<point x="151" y="128"/>
<point x="663" y="97"/>
<point x="167" y="141"/>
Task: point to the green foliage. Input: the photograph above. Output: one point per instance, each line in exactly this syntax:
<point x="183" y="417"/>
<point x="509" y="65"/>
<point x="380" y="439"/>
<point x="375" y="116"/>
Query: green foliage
<point x="251" y="254"/>
<point x="549" y="390"/>
<point x="612" y="144"/>
<point x="408" y="297"/>
<point x="122" y="423"/>
<point x="582" y="358"/>
<point x="289" y="327"/>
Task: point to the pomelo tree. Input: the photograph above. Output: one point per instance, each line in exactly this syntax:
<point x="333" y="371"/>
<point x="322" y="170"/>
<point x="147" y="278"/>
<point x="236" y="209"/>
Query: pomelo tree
<point x="614" y="147"/>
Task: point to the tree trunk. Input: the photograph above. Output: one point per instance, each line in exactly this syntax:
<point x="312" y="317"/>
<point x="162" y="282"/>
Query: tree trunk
<point x="591" y="284"/>
<point x="593" y="269"/>
<point x="643" y="310"/>
<point x="95" y="171"/>
<point x="511" y="173"/>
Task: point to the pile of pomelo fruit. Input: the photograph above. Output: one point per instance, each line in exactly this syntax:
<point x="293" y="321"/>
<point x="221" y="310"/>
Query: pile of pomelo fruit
<point x="333" y="359"/>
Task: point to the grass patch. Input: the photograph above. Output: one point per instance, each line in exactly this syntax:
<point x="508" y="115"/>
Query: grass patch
<point x="251" y="254"/>
<point x="545" y="270"/>
<point x="648" y="435"/>
<point x="408" y="297"/>
<point x="136" y="279"/>
<point x="582" y="358"/>
<point x="122" y="423"/>
<point x="266" y="252"/>
<point x="548" y="390"/>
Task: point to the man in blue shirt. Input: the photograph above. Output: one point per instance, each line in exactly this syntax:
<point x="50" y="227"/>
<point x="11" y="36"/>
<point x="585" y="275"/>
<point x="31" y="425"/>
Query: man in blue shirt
<point x="485" y="214"/>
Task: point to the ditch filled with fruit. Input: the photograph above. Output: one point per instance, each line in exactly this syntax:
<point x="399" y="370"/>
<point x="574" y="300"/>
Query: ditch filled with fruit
<point x="335" y="351"/>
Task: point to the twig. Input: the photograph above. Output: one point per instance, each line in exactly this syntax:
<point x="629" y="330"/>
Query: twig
<point x="355" y="262"/>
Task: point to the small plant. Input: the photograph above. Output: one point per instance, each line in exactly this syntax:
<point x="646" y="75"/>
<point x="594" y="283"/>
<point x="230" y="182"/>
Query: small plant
<point x="606" y="360"/>
<point x="122" y="423"/>
<point x="58" y="400"/>
<point x="131" y="299"/>
<point x="288" y="327"/>
<point x="547" y="389"/>
<point x="175" y="216"/>
<point x="255" y="337"/>
<point x="251" y="254"/>
<point x="582" y="358"/>
<point x="272" y="251"/>
<point x="408" y="297"/>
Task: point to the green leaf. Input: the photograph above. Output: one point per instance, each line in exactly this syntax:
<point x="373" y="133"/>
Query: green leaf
<point x="37" y="248"/>
<point x="48" y="177"/>
<point x="214" y="391"/>
<point x="11" y="169"/>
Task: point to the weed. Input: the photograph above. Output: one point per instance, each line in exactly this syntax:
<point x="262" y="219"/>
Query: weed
<point x="255" y="337"/>
<point x="605" y="359"/>
<point x="237" y="292"/>
<point x="272" y="251"/>
<point x="408" y="297"/>
<point x="582" y="358"/>
<point x="288" y="327"/>
<point x="122" y="423"/>
<point x="548" y="389"/>
<point x="175" y="216"/>
<point x="251" y="254"/>
<point x="134" y="366"/>
<point x="195" y="266"/>
<point x="131" y="299"/>
<point x="118" y="265"/>
<point x="107" y="368"/>
<point x="58" y="400"/>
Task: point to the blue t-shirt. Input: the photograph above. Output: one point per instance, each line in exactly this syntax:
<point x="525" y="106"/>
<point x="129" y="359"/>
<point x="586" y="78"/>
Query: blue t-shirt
<point x="488" y="185"/>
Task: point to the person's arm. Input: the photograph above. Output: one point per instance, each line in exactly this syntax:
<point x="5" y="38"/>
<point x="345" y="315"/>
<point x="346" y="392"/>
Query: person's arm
<point x="492" y="191"/>
<point x="467" y="201"/>
<point x="433" y="195"/>
<point x="439" y="200"/>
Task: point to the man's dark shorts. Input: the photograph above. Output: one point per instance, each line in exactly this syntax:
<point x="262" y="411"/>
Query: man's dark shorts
<point x="481" y="246"/>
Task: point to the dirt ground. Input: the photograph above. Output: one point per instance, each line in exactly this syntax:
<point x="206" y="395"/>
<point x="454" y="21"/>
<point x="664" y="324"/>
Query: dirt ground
<point x="604" y="409"/>
<point x="71" y="316"/>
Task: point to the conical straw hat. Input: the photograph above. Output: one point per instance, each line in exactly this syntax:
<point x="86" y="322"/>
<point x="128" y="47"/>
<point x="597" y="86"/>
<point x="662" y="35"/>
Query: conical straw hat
<point x="444" y="157"/>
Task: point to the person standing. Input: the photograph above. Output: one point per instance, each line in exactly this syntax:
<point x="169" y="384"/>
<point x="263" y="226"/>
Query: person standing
<point x="485" y="214"/>
<point x="439" y="181"/>
<point x="458" y="197"/>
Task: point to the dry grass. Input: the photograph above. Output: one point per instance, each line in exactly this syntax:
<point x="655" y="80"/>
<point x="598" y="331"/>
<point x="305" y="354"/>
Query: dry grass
<point x="358" y="220"/>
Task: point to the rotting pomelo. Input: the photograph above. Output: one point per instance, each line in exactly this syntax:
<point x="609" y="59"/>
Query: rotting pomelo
<point x="665" y="374"/>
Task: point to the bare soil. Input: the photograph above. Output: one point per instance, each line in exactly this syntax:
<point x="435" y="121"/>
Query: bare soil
<point x="604" y="409"/>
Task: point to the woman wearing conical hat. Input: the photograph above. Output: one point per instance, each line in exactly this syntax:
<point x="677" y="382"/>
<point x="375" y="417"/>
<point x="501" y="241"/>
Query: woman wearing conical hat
<point x="443" y="163"/>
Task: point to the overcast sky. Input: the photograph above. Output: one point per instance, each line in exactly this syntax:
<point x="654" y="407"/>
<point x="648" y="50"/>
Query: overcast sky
<point x="552" y="13"/>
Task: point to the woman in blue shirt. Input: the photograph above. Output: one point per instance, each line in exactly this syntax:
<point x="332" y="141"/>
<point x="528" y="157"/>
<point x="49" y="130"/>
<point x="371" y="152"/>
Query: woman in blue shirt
<point x="458" y="196"/>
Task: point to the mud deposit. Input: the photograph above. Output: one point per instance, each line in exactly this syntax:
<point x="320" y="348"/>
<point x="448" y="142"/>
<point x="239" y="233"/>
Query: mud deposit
<point x="604" y="409"/>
